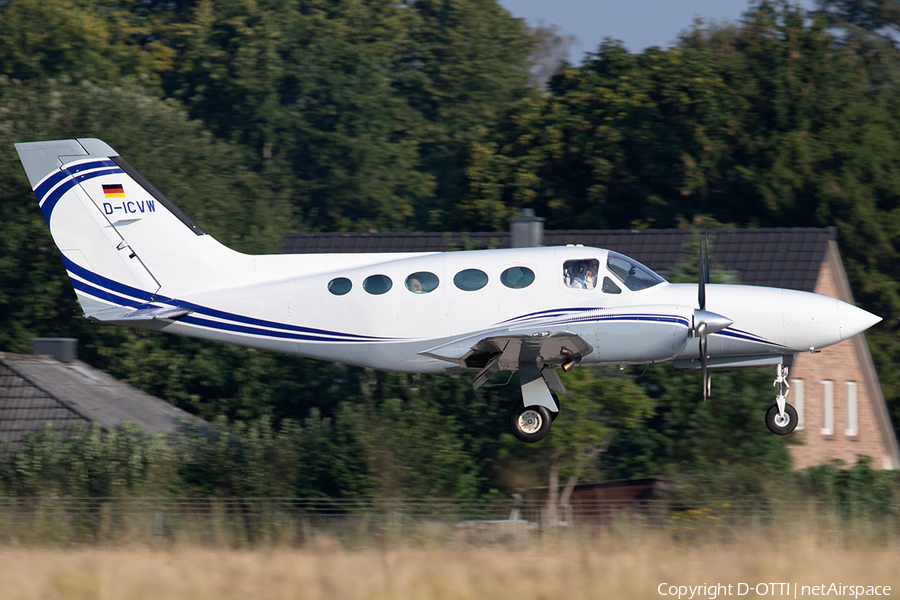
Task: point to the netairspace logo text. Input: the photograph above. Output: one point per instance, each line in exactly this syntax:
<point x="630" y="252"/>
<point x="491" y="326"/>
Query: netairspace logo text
<point x="716" y="590"/>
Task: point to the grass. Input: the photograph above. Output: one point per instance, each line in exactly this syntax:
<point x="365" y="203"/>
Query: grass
<point x="576" y="565"/>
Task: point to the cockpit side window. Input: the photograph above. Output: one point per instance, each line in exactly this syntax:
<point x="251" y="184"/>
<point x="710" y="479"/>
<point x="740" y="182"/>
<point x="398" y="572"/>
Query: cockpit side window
<point x="581" y="274"/>
<point x="633" y="274"/>
<point x="609" y="287"/>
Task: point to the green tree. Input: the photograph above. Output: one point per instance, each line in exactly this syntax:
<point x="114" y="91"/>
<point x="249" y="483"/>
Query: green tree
<point x="90" y="463"/>
<point x="362" y="111"/>
<point x="99" y="41"/>
<point x="464" y="62"/>
<point x="409" y="447"/>
<point x="772" y="123"/>
<point x="597" y="409"/>
<point x="716" y="449"/>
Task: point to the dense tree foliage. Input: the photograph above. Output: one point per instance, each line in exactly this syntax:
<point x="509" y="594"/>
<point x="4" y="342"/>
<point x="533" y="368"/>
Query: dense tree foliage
<point x="263" y="117"/>
<point x="773" y="123"/>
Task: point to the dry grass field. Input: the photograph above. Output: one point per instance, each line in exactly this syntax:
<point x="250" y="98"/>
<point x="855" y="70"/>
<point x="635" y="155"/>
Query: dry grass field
<point x="569" y="568"/>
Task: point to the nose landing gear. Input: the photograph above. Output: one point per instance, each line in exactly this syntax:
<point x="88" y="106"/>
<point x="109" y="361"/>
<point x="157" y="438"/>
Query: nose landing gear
<point x="782" y="424"/>
<point x="781" y="418"/>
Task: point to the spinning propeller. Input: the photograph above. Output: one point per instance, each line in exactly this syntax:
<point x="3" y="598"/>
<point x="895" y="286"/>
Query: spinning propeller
<point x="706" y="322"/>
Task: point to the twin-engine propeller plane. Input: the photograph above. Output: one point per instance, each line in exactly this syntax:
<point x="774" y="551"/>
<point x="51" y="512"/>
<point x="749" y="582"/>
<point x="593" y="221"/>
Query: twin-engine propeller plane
<point x="136" y="259"/>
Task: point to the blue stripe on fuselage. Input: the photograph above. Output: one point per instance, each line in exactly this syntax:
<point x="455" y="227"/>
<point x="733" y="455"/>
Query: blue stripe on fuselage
<point x="746" y="336"/>
<point x="120" y="288"/>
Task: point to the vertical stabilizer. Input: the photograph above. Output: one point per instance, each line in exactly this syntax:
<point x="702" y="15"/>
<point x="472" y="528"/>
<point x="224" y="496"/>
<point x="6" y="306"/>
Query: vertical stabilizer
<point x="123" y="242"/>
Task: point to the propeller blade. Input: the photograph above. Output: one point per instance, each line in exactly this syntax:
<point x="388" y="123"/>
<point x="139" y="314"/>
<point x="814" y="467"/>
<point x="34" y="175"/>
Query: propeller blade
<point x="705" y="249"/>
<point x="704" y="371"/>
<point x="703" y="274"/>
<point x="706" y="322"/>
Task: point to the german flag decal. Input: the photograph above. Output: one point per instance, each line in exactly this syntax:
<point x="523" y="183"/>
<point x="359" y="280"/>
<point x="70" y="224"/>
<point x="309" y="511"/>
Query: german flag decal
<point x="113" y="191"/>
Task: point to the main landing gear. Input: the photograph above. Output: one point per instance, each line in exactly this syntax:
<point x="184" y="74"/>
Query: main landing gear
<point x="530" y="420"/>
<point x="781" y="418"/>
<point x="530" y="423"/>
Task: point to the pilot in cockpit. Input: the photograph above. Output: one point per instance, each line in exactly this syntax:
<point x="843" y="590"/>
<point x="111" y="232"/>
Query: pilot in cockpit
<point x="577" y="280"/>
<point x="590" y="276"/>
<point x="581" y="274"/>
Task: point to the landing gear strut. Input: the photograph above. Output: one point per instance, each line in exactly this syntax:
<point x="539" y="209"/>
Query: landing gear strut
<point x="781" y="418"/>
<point x="530" y="420"/>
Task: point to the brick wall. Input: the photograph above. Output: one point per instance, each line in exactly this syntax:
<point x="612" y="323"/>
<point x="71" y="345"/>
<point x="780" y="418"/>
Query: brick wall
<point x="839" y="364"/>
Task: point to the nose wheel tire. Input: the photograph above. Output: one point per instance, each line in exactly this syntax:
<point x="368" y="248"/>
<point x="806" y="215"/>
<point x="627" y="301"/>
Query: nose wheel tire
<point x="778" y="424"/>
<point x="530" y="423"/>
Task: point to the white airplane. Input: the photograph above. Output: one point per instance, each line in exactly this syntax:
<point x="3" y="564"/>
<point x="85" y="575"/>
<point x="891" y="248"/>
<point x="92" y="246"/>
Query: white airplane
<point x="136" y="259"/>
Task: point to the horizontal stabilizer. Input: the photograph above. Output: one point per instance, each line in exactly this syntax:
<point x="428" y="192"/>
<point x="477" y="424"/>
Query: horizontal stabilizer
<point x="140" y="314"/>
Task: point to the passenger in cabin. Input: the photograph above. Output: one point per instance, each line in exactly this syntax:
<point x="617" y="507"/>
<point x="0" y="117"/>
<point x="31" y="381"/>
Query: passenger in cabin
<point x="414" y="284"/>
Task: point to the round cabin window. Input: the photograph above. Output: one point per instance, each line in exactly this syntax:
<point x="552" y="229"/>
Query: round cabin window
<point x="339" y="286"/>
<point x="470" y="280"/>
<point x="377" y="284"/>
<point x="517" y="277"/>
<point x="422" y="282"/>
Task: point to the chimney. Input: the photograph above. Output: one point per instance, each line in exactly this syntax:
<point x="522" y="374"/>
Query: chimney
<point x="61" y="349"/>
<point x="526" y="230"/>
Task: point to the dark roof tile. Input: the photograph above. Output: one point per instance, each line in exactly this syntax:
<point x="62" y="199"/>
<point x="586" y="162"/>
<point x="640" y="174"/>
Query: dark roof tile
<point x="35" y="390"/>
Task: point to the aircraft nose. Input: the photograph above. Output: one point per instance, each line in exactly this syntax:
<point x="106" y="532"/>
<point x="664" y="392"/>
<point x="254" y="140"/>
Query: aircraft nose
<point x="854" y="320"/>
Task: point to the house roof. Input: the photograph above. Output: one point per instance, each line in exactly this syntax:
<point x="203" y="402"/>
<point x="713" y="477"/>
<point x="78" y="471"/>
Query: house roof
<point x="35" y="390"/>
<point x="341" y="243"/>
<point x="784" y="257"/>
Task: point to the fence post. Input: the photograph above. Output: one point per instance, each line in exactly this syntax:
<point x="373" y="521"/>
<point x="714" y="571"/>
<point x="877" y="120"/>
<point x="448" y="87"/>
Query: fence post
<point x="636" y="523"/>
<point x="756" y="517"/>
<point x="398" y="513"/>
<point x="158" y="524"/>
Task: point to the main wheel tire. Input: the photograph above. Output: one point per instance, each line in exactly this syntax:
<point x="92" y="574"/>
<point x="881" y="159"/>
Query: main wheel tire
<point x="530" y="423"/>
<point x="781" y="425"/>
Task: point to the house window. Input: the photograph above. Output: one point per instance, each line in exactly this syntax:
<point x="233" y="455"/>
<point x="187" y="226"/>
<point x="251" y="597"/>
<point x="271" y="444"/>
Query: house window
<point x="828" y="407"/>
<point x="798" y="396"/>
<point x="851" y="410"/>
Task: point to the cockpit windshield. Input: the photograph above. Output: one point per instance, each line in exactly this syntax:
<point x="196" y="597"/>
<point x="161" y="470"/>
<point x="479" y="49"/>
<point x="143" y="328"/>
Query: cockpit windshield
<point x="633" y="274"/>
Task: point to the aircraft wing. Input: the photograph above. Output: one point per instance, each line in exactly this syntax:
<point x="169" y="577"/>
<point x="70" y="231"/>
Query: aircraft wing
<point x="508" y="349"/>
